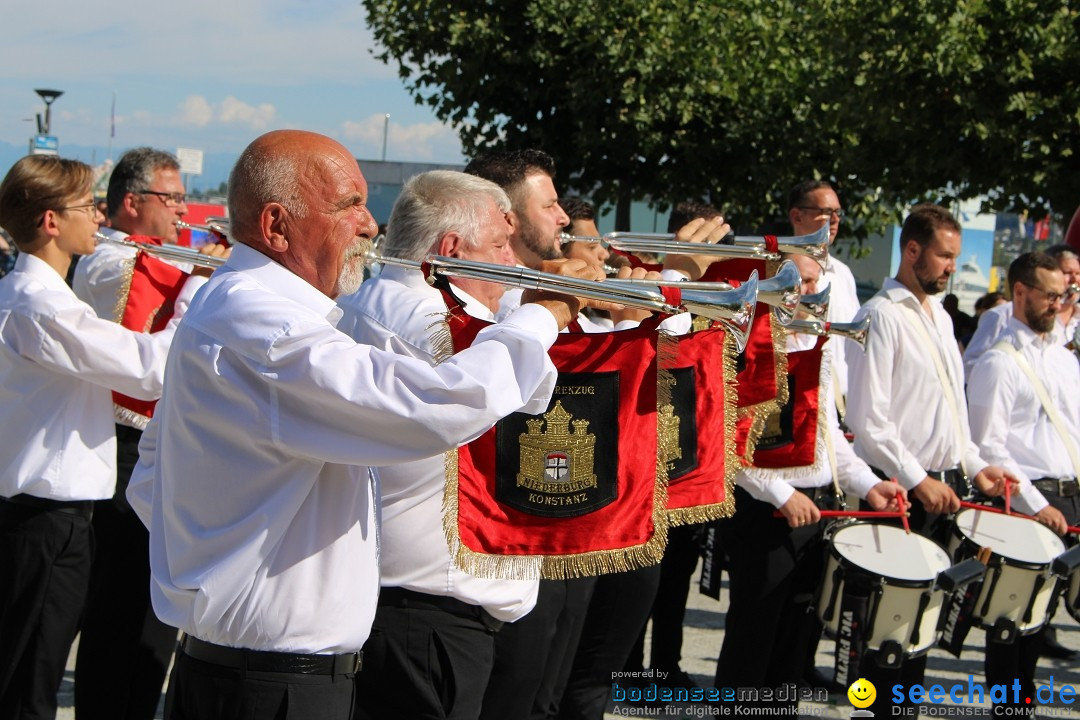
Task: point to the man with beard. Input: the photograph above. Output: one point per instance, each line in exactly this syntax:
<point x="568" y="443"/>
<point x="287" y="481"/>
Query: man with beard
<point x="254" y="477"/>
<point x="1014" y="428"/>
<point x="907" y="403"/>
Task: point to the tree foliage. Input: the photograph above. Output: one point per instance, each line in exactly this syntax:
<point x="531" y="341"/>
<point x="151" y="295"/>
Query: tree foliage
<point x="736" y="102"/>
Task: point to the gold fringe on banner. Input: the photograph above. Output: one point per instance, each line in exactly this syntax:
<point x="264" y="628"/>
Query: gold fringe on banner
<point x="124" y="416"/>
<point x="442" y="343"/>
<point x="122" y="293"/>
<point x="761" y="412"/>
<point x="732" y="464"/>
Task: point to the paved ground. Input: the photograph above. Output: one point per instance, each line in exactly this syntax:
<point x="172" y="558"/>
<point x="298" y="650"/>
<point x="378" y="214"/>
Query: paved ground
<point x="704" y="634"/>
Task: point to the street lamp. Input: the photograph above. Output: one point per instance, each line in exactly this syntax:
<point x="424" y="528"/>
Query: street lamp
<point x="49" y="96"/>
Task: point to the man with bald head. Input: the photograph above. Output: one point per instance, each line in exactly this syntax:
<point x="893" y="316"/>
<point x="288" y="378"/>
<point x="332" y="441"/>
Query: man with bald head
<point x="254" y="475"/>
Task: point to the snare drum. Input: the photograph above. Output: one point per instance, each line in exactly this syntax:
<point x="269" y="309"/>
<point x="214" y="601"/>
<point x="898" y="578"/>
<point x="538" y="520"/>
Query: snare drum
<point x="900" y="571"/>
<point x="1015" y="594"/>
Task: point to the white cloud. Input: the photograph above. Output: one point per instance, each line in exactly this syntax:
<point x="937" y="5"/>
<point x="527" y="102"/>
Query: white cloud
<point x="195" y="110"/>
<point x="233" y="111"/>
<point x="419" y="141"/>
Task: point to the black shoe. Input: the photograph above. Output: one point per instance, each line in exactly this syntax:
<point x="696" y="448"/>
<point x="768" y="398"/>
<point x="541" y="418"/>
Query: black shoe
<point x="1053" y="649"/>
<point x="814" y="678"/>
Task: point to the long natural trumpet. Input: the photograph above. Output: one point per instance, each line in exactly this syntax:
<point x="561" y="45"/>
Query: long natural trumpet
<point x="733" y="307"/>
<point x="856" y="331"/>
<point x="781" y="291"/>
<point x="815" y="245"/>
<point x="215" y="225"/>
<point x="166" y="251"/>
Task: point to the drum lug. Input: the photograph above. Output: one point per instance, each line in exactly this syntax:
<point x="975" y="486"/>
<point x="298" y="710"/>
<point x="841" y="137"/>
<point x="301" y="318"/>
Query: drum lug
<point x="1004" y="632"/>
<point x="890" y="655"/>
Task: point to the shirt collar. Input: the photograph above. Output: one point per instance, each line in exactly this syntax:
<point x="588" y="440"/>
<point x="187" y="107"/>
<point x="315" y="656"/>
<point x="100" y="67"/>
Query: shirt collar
<point x="283" y="281"/>
<point x="1022" y="335"/>
<point x="41" y="271"/>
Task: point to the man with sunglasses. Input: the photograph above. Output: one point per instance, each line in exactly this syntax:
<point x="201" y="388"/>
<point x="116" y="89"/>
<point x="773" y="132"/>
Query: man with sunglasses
<point x="124" y="650"/>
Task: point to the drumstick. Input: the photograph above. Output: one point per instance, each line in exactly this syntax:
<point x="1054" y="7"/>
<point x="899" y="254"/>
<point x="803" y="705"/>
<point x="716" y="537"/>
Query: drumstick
<point x="987" y="508"/>
<point x="1008" y="495"/>
<point x="903" y="510"/>
<point x="851" y="514"/>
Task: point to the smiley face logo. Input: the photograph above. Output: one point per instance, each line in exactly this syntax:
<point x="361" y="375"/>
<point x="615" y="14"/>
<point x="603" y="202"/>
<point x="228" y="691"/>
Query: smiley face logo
<point x="862" y="693"/>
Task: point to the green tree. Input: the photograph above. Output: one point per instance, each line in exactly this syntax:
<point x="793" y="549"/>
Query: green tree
<point x="736" y="102"/>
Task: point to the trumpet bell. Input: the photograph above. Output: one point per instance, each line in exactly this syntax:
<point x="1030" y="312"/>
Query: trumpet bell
<point x="857" y="331"/>
<point x="817" y="304"/>
<point x="815" y="245"/>
<point x="734" y="308"/>
<point x="782" y="292"/>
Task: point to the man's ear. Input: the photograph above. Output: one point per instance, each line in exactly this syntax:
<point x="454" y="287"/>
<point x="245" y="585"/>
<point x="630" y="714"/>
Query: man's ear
<point x="128" y="206"/>
<point x="273" y="222"/>
<point x="450" y="245"/>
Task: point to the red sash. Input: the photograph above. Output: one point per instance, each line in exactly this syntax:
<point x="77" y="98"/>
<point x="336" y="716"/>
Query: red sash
<point x="789" y="438"/>
<point x="699" y="436"/>
<point x="146" y="305"/>
<point x="579" y="488"/>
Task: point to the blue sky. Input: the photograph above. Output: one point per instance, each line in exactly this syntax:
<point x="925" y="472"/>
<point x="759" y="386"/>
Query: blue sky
<point x="205" y="75"/>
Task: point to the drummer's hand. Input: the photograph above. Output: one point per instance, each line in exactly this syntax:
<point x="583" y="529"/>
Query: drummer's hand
<point x="800" y="510"/>
<point x="1052" y="518"/>
<point x="698" y="231"/>
<point x="883" y="496"/>
<point x="992" y="479"/>
<point x="212" y="250"/>
<point x="937" y="497"/>
<point x="636" y="314"/>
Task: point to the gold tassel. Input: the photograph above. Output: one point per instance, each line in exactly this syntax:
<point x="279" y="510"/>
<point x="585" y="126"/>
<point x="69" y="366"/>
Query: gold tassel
<point x="125" y="289"/>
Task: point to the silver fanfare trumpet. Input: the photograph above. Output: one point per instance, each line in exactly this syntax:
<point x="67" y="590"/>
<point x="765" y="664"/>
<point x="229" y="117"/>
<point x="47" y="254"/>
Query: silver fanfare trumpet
<point x="166" y="251"/>
<point x="215" y="225"/>
<point x="856" y="331"/>
<point x="817" y="304"/>
<point x="781" y="292"/>
<point x="733" y="307"/>
<point x="814" y="245"/>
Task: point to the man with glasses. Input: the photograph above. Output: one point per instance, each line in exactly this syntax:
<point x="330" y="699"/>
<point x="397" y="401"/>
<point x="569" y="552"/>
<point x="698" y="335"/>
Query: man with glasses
<point x="124" y="650"/>
<point x="1015" y="429"/>
<point x="811" y="204"/>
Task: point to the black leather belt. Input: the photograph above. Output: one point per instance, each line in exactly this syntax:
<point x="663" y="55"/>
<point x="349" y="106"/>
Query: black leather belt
<point x="954" y="478"/>
<point x="1063" y="487"/>
<point x="822" y="495"/>
<point x="268" y="661"/>
<point x="403" y="598"/>
<point x="79" y="508"/>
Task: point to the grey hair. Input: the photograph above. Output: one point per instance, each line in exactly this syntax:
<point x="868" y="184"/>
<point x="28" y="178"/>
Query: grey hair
<point x="434" y="203"/>
<point x="134" y="172"/>
<point x="262" y="175"/>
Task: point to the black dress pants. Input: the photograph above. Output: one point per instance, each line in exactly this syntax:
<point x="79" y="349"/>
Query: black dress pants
<point x="124" y="650"/>
<point x="45" y="560"/>
<point x="617" y="614"/>
<point x="425" y="663"/>
<point x="533" y="656"/>
<point x="204" y="691"/>
<point x="774" y="571"/>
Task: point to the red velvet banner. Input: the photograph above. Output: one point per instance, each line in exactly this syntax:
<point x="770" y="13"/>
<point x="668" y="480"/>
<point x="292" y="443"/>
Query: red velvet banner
<point x="789" y="438"/>
<point x="699" y="436"/>
<point x="148" y="307"/>
<point x="578" y="488"/>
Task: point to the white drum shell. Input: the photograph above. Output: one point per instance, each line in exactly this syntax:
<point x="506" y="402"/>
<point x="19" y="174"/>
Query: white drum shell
<point x="894" y="604"/>
<point x="1019" y="569"/>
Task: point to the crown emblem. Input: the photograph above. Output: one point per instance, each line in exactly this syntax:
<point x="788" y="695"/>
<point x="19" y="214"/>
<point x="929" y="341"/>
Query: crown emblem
<point x="667" y="425"/>
<point x="560" y="459"/>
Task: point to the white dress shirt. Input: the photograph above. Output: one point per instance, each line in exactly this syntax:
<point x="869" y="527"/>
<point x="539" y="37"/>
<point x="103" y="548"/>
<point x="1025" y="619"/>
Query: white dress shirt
<point x="902" y="421"/>
<point x="58" y="363"/>
<point x="776" y="485"/>
<point x="253" y="477"/>
<point x="399" y="312"/>
<point x="103" y="277"/>
<point x="843" y="307"/>
<point x="1007" y="419"/>
<point x="992" y="325"/>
